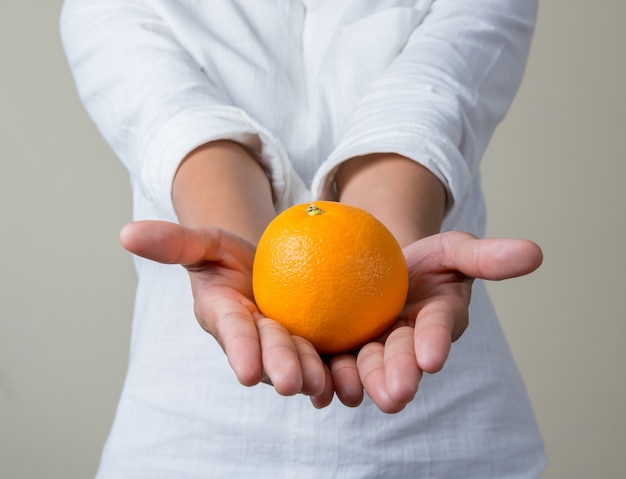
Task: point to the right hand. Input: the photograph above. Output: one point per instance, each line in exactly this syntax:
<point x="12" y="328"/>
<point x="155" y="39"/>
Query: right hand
<point x="220" y="270"/>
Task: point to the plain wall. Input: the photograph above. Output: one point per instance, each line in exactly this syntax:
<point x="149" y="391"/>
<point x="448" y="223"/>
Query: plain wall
<point x="554" y="173"/>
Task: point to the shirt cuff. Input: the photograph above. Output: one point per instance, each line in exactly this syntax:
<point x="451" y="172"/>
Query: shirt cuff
<point x="440" y="157"/>
<point x="165" y="150"/>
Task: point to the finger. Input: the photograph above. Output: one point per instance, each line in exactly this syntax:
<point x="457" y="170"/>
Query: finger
<point x="346" y="379"/>
<point x="280" y="356"/>
<point x="370" y="362"/>
<point x="402" y="374"/>
<point x="439" y="322"/>
<point x="172" y="243"/>
<point x="230" y="323"/>
<point x="314" y="376"/>
<point x="163" y="242"/>
<point x="491" y="259"/>
<point x="326" y="397"/>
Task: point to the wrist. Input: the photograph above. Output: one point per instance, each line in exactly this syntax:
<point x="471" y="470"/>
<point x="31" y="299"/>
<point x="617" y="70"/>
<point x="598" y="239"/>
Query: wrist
<point x="400" y="192"/>
<point x="221" y="184"/>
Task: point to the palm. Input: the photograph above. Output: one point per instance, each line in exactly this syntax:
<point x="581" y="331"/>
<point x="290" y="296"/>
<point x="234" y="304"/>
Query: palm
<point x="220" y="270"/>
<point x="441" y="270"/>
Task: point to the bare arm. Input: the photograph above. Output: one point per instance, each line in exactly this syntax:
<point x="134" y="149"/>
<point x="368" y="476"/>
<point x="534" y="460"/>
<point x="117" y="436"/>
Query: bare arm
<point x="221" y="184"/>
<point x="401" y="193"/>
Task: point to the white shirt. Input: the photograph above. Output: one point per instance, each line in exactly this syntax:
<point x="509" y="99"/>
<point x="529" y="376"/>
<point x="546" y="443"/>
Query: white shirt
<point x="306" y="85"/>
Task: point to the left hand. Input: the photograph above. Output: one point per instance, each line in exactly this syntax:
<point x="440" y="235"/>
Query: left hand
<point x="442" y="269"/>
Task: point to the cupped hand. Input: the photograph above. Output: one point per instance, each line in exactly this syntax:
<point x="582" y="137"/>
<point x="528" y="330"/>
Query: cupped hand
<point x="442" y="269"/>
<point x="220" y="270"/>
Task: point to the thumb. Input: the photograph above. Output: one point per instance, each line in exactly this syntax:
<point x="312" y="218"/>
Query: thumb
<point x="166" y="242"/>
<point x="491" y="259"/>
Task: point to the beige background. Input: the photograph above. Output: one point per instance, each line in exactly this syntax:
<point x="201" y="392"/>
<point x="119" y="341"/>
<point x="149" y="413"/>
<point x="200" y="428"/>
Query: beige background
<point x="554" y="173"/>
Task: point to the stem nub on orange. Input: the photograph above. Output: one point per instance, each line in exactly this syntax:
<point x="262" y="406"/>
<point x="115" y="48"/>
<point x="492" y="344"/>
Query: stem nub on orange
<point x="331" y="273"/>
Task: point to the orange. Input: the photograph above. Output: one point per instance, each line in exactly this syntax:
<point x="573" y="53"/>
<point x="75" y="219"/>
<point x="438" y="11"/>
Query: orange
<point x="331" y="273"/>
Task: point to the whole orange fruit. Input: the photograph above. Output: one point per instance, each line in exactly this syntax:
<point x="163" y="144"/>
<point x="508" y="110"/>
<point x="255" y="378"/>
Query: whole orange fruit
<point x="331" y="273"/>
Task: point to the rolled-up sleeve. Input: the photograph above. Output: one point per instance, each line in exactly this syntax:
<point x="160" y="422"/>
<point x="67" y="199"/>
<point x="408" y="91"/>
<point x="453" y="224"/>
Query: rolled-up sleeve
<point x="152" y="102"/>
<point x="440" y="100"/>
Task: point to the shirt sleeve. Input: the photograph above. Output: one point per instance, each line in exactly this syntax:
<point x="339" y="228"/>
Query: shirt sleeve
<point x="441" y="98"/>
<point x="151" y="100"/>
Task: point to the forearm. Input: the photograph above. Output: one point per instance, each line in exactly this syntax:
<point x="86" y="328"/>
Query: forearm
<point x="222" y="185"/>
<point x="401" y="193"/>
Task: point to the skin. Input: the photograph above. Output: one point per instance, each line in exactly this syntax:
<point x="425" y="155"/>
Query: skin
<point x="224" y="201"/>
